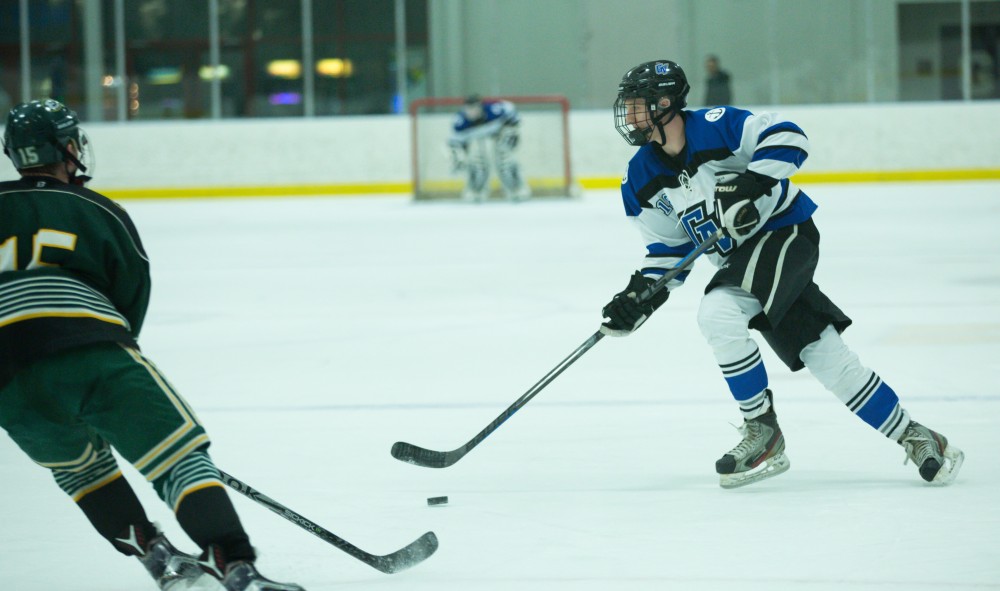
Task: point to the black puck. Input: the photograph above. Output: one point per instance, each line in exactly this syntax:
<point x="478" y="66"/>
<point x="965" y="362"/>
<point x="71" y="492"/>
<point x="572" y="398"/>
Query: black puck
<point x="437" y="501"/>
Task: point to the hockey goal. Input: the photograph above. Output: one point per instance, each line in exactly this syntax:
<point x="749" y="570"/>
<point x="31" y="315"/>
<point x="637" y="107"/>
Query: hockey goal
<point x="542" y="151"/>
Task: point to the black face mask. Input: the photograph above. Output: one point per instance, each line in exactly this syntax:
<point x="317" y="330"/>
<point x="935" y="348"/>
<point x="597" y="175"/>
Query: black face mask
<point x="638" y="137"/>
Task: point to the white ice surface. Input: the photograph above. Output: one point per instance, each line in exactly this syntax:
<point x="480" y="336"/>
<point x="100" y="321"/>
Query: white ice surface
<point x="311" y="334"/>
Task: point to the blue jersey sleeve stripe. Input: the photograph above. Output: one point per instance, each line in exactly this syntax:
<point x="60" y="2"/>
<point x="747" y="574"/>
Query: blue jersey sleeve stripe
<point x="801" y="210"/>
<point x="790" y="154"/>
<point x="660" y="249"/>
<point x="783" y="127"/>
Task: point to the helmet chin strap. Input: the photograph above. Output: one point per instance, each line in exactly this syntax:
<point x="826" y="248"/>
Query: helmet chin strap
<point x="74" y="178"/>
<point x="78" y="179"/>
<point x="660" y="124"/>
<point x="658" y="120"/>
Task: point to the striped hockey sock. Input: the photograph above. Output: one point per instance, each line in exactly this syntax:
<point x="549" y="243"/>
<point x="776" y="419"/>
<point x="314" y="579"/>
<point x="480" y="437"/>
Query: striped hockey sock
<point x="747" y="380"/>
<point x="877" y="404"/>
<point x="194" y="472"/>
<point x="100" y="469"/>
<point x="859" y="388"/>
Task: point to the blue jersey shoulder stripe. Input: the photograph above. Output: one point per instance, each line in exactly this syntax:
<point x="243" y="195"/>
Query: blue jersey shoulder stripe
<point x="643" y="179"/>
<point x="706" y="134"/>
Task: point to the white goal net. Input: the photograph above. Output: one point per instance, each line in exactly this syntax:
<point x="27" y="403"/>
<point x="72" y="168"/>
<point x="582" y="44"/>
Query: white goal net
<point x="542" y="150"/>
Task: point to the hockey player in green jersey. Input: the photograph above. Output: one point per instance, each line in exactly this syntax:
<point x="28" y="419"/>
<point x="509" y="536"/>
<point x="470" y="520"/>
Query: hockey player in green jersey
<point x="74" y="288"/>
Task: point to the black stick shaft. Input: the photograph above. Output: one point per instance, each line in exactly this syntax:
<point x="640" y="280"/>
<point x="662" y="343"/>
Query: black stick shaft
<point x="437" y="459"/>
<point x="534" y="390"/>
<point x="547" y="379"/>
<point x="404" y="558"/>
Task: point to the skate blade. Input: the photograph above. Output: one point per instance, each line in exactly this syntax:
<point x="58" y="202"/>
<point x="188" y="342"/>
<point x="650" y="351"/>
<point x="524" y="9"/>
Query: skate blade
<point x="205" y="582"/>
<point x="769" y="469"/>
<point x="954" y="458"/>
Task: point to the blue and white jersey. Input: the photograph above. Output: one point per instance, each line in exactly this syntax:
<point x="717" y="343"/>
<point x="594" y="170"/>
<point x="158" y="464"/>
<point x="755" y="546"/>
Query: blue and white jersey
<point x="672" y="198"/>
<point x="496" y="115"/>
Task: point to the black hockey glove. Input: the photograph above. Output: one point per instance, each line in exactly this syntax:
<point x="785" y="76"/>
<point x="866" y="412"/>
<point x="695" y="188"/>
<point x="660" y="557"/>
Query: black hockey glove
<point x="735" y="193"/>
<point x="625" y="313"/>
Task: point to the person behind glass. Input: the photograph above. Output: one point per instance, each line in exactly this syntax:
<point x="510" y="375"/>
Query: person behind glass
<point x="487" y="131"/>
<point x="698" y="172"/>
<point x="718" y="91"/>
<point x="74" y="290"/>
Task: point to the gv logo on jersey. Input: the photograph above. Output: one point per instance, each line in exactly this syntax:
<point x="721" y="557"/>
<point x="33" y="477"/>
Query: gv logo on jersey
<point x="625" y="176"/>
<point x="699" y="225"/>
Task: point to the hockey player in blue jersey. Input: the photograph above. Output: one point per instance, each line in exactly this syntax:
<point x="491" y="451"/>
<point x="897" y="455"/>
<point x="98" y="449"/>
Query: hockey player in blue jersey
<point x="727" y="168"/>
<point x="485" y="131"/>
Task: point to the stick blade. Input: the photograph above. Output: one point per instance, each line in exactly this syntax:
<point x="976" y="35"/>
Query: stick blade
<point x="413" y="554"/>
<point x="419" y="456"/>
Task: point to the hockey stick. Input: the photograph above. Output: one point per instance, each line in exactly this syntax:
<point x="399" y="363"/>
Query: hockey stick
<point x="402" y="559"/>
<point x="428" y="458"/>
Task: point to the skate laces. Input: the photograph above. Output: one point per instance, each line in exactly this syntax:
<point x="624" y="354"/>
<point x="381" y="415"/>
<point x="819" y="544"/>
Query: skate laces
<point x="919" y="446"/>
<point x="750" y="430"/>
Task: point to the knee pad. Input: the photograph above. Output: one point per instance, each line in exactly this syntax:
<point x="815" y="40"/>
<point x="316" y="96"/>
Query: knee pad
<point x="834" y="364"/>
<point x="724" y="315"/>
<point x="858" y="387"/>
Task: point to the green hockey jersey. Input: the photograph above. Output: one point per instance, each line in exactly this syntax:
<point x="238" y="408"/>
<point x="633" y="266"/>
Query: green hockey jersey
<point x="72" y="271"/>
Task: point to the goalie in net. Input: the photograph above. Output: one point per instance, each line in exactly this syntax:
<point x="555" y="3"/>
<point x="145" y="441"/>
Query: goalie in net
<point x="486" y="132"/>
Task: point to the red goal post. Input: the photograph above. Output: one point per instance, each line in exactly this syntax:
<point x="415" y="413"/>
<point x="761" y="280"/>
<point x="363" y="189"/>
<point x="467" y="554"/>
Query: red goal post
<point x="542" y="152"/>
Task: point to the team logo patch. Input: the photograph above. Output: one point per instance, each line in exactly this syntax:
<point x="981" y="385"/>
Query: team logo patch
<point x="663" y="204"/>
<point x="625" y="176"/>
<point x="661" y="69"/>
<point x="715" y="114"/>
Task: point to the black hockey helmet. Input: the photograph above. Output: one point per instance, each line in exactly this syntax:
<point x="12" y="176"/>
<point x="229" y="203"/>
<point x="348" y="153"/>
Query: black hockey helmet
<point x="649" y="82"/>
<point x="38" y="133"/>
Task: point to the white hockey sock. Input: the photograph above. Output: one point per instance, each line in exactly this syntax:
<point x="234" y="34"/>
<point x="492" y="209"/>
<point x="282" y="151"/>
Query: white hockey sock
<point x="859" y="388"/>
<point x="723" y="317"/>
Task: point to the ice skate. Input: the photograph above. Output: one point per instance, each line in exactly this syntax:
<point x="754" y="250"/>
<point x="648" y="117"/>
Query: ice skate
<point x="473" y="196"/>
<point x="518" y="194"/>
<point x="937" y="460"/>
<point x="174" y="570"/>
<point x="760" y="455"/>
<point x="243" y="576"/>
<point x="239" y="575"/>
